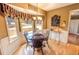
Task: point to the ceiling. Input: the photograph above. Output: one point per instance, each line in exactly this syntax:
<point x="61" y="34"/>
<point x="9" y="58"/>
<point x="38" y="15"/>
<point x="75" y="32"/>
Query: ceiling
<point x="50" y="6"/>
<point x="44" y="6"/>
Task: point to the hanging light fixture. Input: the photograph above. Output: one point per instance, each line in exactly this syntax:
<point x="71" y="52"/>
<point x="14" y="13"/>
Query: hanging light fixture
<point x="34" y="17"/>
<point x="39" y="18"/>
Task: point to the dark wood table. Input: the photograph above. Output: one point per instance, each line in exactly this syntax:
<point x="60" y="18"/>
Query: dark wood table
<point x="37" y="40"/>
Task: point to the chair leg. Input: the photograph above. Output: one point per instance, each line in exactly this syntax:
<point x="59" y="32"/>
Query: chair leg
<point x="47" y="44"/>
<point x="33" y="51"/>
<point x="42" y="51"/>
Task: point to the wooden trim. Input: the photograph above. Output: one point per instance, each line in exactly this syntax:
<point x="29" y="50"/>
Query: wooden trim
<point x="19" y="25"/>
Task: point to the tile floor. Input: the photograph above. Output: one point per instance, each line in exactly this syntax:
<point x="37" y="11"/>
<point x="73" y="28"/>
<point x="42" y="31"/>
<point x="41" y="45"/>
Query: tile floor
<point x="55" y="48"/>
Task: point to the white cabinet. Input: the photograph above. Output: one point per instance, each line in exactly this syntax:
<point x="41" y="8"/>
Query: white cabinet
<point x="62" y="37"/>
<point x="54" y="35"/>
<point x="57" y="36"/>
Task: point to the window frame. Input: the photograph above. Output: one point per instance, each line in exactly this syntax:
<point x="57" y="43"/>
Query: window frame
<point x="11" y="39"/>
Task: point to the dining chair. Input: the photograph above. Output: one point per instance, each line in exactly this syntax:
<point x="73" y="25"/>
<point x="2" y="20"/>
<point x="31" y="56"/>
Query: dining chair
<point x="28" y="37"/>
<point x="46" y="33"/>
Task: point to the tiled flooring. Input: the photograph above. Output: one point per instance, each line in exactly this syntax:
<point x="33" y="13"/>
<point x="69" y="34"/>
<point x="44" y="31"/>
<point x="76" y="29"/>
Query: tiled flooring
<point x="55" y="48"/>
<point x="29" y="51"/>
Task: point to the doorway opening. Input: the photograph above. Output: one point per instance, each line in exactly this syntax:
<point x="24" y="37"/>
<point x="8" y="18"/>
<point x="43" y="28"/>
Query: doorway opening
<point x="73" y="35"/>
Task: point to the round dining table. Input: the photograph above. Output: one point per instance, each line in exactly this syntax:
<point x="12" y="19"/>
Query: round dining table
<point x="37" y="41"/>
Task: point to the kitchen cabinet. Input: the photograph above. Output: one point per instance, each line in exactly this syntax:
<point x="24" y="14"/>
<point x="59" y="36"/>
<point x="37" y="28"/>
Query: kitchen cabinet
<point x="62" y="37"/>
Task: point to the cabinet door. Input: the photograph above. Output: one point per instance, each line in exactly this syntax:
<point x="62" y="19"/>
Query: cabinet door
<point x="57" y="36"/>
<point x="52" y="35"/>
<point x="64" y="36"/>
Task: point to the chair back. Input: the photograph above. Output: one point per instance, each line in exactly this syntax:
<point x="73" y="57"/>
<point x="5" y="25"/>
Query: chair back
<point x="46" y="33"/>
<point x="25" y="35"/>
<point x="28" y="37"/>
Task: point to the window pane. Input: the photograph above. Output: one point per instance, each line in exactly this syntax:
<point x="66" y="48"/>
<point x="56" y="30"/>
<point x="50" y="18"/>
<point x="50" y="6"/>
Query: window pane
<point x="39" y="24"/>
<point x="26" y="25"/>
<point x="11" y="27"/>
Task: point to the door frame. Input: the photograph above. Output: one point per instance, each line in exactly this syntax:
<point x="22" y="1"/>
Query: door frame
<point x="70" y="13"/>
